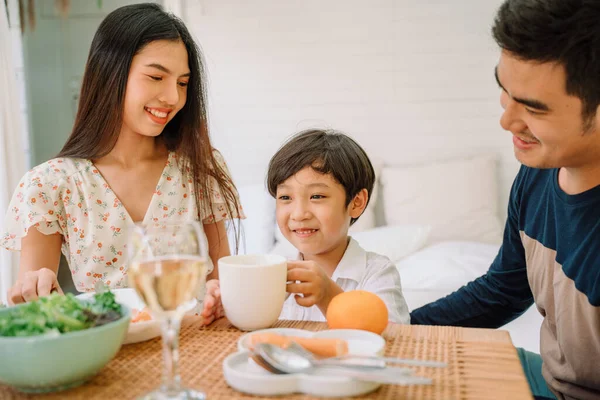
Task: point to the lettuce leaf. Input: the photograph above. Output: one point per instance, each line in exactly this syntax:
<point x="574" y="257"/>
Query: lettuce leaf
<point x="60" y="313"/>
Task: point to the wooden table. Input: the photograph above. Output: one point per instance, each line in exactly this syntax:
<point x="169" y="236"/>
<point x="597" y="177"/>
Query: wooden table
<point x="482" y="364"/>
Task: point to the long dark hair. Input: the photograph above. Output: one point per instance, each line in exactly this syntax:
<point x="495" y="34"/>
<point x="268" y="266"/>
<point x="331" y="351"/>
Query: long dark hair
<point x="121" y="35"/>
<point x="562" y="31"/>
<point x="327" y="152"/>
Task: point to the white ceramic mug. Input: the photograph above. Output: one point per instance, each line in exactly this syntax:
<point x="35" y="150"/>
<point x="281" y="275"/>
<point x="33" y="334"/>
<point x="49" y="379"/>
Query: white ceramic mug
<point x="253" y="289"/>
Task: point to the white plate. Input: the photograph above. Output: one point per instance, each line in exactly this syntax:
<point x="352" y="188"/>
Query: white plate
<point x="138" y="331"/>
<point x="249" y="378"/>
<point x="242" y="374"/>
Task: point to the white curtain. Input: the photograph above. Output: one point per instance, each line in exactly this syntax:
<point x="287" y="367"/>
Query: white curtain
<point x="13" y="161"/>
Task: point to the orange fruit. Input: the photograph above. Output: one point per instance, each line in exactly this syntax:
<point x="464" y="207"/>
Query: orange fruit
<point x="357" y="309"/>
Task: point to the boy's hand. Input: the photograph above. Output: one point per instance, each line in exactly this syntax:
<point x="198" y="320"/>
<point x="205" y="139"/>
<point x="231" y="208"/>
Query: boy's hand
<point x="213" y="308"/>
<point x="313" y="283"/>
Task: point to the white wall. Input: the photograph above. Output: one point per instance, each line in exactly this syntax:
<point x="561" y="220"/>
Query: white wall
<point x="411" y="81"/>
<point x="19" y="64"/>
<point x="14" y="146"/>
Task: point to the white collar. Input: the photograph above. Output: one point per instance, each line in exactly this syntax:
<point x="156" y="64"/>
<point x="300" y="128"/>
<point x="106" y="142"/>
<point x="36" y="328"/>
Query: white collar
<point x="353" y="263"/>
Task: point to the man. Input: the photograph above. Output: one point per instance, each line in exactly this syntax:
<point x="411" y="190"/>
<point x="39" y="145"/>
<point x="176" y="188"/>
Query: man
<point x="549" y="76"/>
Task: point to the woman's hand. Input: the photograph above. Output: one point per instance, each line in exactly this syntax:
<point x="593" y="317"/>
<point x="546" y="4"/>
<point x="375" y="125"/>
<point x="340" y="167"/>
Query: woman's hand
<point x="33" y="285"/>
<point x="312" y="282"/>
<point x="213" y="308"/>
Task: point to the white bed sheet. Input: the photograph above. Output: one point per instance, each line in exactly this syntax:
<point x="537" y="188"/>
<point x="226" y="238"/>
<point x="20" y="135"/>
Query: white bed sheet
<point x="440" y="269"/>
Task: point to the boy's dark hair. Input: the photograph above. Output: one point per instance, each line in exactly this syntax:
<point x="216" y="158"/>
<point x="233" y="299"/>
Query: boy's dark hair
<point x="327" y="152"/>
<point x="563" y="31"/>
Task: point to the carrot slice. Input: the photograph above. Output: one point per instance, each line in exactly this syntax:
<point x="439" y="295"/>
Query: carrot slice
<point x="320" y="347"/>
<point x="143" y="315"/>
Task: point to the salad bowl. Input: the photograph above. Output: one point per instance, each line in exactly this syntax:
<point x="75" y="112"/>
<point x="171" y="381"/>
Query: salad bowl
<point x="54" y="360"/>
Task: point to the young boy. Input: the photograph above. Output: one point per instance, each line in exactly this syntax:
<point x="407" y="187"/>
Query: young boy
<point x="322" y="181"/>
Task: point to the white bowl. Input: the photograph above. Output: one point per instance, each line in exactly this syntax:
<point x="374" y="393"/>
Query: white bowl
<point x="138" y="331"/>
<point x="47" y="363"/>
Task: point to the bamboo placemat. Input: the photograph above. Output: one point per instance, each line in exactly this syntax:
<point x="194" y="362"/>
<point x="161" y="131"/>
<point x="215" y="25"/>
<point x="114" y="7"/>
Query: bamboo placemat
<point x="482" y="364"/>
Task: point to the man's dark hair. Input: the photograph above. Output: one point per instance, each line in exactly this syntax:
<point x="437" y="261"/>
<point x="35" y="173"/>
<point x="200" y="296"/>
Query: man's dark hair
<point x="327" y="152"/>
<point x="562" y="31"/>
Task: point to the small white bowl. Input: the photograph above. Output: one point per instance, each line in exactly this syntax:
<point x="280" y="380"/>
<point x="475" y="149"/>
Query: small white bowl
<point x="138" y="331"/>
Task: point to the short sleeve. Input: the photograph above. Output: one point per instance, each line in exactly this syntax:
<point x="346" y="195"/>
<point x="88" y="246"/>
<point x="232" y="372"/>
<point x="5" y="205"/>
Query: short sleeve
<point x="36" y="202"/>
<point x="217" y="210"/>
<point x="384" y="281"/>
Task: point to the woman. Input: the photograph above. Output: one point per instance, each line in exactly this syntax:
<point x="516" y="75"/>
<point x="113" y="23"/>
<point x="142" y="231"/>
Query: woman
<point x="139" y="152"/>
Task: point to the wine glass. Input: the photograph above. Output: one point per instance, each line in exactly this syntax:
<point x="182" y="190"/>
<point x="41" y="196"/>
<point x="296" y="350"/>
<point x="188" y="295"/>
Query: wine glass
<point x="167" y="268"/>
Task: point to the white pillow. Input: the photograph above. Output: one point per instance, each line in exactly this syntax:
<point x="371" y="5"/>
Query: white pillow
<point x="258" y="229"/>
<point x="459" y="199"/>
<point x="395" y="242"/>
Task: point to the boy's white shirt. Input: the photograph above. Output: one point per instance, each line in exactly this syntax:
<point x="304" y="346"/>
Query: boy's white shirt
<point x="359" y="270"/>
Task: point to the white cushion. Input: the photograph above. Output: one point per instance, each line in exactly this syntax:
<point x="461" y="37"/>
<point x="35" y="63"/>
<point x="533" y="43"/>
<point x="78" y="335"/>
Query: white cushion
<point x="258" y="229"/>
<point x="458" y="199"/>
<point x="395" y="242"/>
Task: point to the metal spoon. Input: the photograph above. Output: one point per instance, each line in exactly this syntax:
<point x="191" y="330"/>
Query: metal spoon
<point x="368" y="363"/>
<point x="283" y="361"/>
<point x="363" y="359"/>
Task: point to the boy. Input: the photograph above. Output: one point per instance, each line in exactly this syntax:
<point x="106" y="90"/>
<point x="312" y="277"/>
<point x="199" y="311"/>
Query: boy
<point x="322" y="181"/>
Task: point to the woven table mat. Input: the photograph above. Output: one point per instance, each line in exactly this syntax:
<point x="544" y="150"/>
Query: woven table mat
<point x="482" y="364"/>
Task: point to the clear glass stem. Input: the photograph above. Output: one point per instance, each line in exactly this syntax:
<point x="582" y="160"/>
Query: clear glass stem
<point x="171" y="381"/>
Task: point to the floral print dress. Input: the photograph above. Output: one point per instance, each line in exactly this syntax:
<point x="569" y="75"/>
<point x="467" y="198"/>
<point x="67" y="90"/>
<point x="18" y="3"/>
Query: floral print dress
<point x="70" y="197"/>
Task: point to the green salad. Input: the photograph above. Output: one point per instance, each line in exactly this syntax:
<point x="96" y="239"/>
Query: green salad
<point x="56" y="314"/>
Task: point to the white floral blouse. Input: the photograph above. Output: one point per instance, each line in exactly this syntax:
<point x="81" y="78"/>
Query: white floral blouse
<point x="70" y="196"/>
